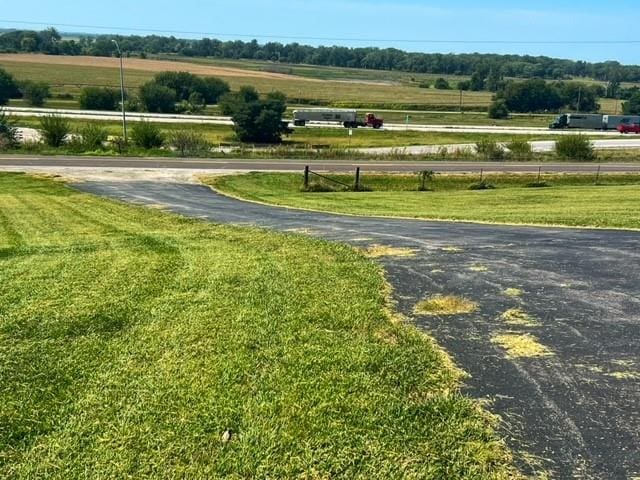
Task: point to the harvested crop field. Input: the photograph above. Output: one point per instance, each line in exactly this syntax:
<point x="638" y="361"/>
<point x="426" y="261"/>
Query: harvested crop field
<point x="145" y="65"/>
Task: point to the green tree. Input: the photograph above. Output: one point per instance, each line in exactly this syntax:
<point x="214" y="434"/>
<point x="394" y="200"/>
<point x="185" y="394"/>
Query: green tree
<point x="8" y="87"/>
<point x="632" y="106"/>
<point x="255" y="119"/>
<point x="579" y="97"/>
<point x="531" y="96"/>
<point x="212" y="89"/>
<point x="494" y="81"/>
<point x="185" y="84"/>
<point x="35" y="93"/>
<point x="157" y="98"/>
<point x="499" y="109"/>
<point x="54" y="130"/>
<point x="99" y="98"/>
<point x="476" y="83"/>
<point x="442" y="84"/>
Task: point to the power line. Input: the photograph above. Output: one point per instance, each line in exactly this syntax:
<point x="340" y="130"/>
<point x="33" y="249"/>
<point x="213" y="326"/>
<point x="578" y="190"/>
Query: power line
<point x="329" y="39"/>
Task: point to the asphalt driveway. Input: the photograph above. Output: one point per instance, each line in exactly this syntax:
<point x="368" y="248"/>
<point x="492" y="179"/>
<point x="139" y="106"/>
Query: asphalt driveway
<point x="576" y="410"/>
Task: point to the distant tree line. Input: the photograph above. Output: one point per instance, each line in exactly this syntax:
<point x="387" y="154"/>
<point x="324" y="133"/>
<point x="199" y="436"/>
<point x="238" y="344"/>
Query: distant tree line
<point x="486" y="67"/>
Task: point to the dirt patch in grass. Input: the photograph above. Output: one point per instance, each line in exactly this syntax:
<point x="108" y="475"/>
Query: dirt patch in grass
<point x="517" y="316"/>
<point x="521" y="345"/>
<point x="378" y="251"/>
<point x="445" y="305"/>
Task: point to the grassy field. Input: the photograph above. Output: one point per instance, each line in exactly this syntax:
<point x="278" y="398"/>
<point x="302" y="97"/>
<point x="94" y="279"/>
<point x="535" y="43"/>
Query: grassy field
<point x="137" y="344"/>
<point x="570" y="200"/>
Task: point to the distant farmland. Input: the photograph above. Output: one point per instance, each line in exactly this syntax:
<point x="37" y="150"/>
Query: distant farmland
<point x="72" y="73"/>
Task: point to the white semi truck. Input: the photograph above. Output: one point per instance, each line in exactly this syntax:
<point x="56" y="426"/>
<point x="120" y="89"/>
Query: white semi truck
<point x="346" y="117"/>
<point x="591" y="121"/>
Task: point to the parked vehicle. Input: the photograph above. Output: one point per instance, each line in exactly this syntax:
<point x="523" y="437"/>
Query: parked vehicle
<point x="579" y="120"/>
<point x="629" y="128"/>
<point x="348" y="118"/>
<point x="612" y="122"/>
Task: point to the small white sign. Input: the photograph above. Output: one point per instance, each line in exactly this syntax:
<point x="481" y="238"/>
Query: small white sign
<point x="351" y="132"/>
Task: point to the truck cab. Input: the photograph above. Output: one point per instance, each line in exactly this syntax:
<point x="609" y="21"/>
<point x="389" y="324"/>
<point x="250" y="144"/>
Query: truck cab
<point x="561" y="122"/>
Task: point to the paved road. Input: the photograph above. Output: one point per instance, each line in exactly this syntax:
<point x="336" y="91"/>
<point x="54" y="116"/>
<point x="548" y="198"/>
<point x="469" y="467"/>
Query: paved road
<point x="578" y="409"/>
<point x="221" y="120"/>
<point x="201" y="164"/>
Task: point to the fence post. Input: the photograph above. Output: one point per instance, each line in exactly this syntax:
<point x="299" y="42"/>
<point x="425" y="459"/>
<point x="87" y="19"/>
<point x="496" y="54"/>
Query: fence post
<point x="539" y="173"/>
<point x="598" y="175"/>
<point x="357" y="184"/>
<point x="481" y="175"/>
<point x="306" y="177"/>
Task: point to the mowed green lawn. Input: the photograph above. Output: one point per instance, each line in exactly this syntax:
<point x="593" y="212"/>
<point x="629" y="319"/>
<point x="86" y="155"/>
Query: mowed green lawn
<point x="131" y="340"/>
<point x="570" y="200"/>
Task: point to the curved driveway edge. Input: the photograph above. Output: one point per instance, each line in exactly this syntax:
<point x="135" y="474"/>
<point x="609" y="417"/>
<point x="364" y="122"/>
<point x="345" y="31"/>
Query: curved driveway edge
<point x="576" y="407"/>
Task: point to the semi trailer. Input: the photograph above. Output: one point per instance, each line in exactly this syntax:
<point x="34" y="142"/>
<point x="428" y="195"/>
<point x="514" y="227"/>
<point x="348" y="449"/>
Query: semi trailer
<point x="578" y="120"/>
<point x="612" y="122"/>
<point x="590" y="121"/>
<point x="347" y="118"/>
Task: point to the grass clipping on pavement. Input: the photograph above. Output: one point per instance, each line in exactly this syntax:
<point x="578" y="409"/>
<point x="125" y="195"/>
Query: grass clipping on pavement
<point x="445" y="305"/>
<point x="137" y="344"/>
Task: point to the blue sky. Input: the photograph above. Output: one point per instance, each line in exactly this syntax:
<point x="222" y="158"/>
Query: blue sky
<point x="385" y="21"/>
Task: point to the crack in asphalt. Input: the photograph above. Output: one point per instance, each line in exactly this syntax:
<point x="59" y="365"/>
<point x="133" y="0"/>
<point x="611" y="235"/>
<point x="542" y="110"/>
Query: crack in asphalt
<point x="577" y="411"/>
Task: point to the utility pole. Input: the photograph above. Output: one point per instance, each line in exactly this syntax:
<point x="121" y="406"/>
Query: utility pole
<point x="461" y="101"/>
<point x="579" y="97"/>
<point x="124" y="114"/>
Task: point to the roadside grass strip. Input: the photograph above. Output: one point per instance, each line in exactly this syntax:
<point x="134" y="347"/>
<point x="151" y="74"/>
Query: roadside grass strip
<point x="443" y="305"/>
<point x="521" y="345"/>
<point x="139" y="344"/>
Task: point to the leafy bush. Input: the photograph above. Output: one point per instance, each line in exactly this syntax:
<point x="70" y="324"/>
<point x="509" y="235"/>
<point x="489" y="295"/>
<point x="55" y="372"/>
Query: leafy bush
<point x="425" y="176"/>
<point x="498" y="109"/>
<point x="8" y="132"/>
<point x="156" y="98"/>
<point x="540" y="184"/>
<point x="54" y="129"/>
<point x="99" y="98"/>
<point x="482" y="185"/>
<point x="35" y="93"/>
<point x="520" y="149"/>
<point x="93" y="136"/>
<point x="147" y="135"/>
<point x="424" y="84"/>
<point x="189" y="143"/>
<point x="490" y="150"/>
<point x="575" y="147"/>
